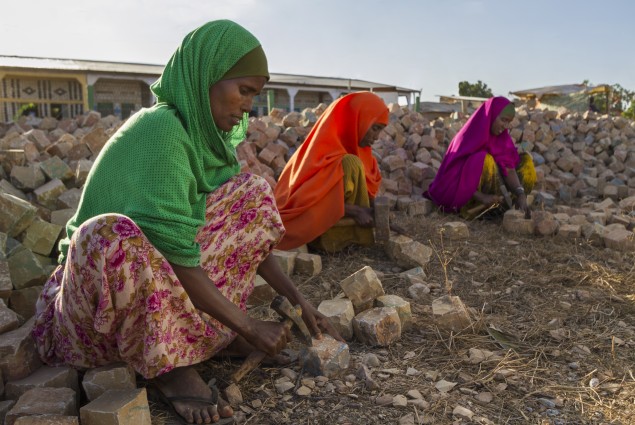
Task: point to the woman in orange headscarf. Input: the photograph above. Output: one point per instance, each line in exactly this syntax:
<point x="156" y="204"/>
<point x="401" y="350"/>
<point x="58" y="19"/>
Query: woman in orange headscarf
<point x="334" y="175"/>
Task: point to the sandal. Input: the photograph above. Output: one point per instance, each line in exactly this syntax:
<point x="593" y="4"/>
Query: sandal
<point x="169" y="401"/>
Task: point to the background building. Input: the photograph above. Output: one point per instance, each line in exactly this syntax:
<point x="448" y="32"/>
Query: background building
<point x="63" y="88"/>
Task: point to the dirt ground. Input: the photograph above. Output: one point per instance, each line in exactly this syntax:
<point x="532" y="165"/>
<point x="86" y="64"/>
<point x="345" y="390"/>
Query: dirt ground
<point x="566" y="310"/>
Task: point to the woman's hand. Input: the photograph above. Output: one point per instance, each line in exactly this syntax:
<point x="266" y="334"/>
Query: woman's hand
<point x="317" y="322"/>
<point x="362" y="216"/>
<point x="521" y="204"/>
<point x="268" y="336"/>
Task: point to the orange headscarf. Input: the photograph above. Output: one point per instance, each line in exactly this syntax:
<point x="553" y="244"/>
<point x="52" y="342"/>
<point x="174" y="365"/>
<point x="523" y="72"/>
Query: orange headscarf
<point x="310" y="191"/>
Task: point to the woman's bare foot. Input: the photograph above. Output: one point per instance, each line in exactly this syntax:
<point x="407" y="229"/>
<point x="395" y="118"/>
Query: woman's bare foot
<point x="186" y="382"/>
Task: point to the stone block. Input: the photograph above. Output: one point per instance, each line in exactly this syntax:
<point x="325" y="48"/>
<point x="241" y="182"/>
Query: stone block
<point x="408" y="253"/>
<point x="5" y="280"/>
<point x="22" y="301"/>
<point x="326" y="357"/>
<point x="416" y="273"/>
<point x="55" y="168"/>
<point x="9" y="320"/>
<point x="597" y="217"/>
<point x="620" y="239"/>
<point x="362" y="287"/>
<point x="27" y="177"/>
<point x="41" y="236"/>
<point x="95" y="140"/>
<point x="544" y="200"/>
<point x="310" y="264"/>
<point x="44" y="377"/>
<point x="262" y="294"/>
<point x="48" y="193"/>
<point x="7" y="187"/>
<point x="403" y="202"/>
<point x="420" y="207"/>
<point x="38" y="137"/>
<point x="544" y="223"/>
<point x="44" y="401"/>
<point x="117" y="376"/>
<point x="18" y="356"/>
<point x="379" y="326"/>
<point x="118" y="407"/>
<point x="400" y="305"/>
<point x="15" y="214"/>
<point x="69" y="199"/>
<point x="450" y="314"/>
<point x="26" y="270"/>
<point x="286" y="260"/>
<point x="79" y="151"/>
<point x="81" y="170"/>
<point x="340" y="313"/>
<point x="47" y="420"/>
<point x="382" y="219"/>
<point x="594" y="233"/>
<point x="5" y="406"/>
<point x="455" y="230"/>
<point x="514" y="222"/>
<point x="610" y="191"/>
<point x="61" y="217"/>
<point x="569" y="231"/>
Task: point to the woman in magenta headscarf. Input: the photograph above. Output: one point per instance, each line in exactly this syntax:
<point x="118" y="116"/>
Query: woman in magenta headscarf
<point x="469" y="173"/>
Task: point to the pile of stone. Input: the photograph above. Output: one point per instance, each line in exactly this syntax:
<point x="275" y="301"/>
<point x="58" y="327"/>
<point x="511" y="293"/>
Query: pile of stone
<point x="586" y="190"/>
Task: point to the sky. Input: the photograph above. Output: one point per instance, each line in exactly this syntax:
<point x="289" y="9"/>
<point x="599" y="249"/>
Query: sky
<point x="427" y="45"/>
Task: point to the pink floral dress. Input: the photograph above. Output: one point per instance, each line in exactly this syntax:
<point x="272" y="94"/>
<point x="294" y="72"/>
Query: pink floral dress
<point x="117" y="298"/>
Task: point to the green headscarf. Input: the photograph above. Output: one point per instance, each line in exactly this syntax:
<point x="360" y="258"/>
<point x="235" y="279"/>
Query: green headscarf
<point x="508" y="111"/>
<point x="204" y="57"/>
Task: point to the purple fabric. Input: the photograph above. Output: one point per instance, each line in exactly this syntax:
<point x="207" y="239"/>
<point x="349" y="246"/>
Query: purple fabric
<point x="461" y="168"/>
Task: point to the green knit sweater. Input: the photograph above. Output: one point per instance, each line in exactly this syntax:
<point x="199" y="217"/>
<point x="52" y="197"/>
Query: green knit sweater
<point x="160" y="165"/>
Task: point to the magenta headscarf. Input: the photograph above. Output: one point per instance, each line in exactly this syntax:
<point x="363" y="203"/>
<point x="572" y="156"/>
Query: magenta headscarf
<point x="460" y="171"/>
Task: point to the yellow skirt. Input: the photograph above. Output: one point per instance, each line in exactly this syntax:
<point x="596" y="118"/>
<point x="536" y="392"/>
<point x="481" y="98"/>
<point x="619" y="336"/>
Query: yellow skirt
<point x="344" y="233"/>
<point x="490" y="183"/>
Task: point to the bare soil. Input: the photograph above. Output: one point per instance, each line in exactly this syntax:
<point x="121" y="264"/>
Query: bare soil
<point x="567" y="308"/>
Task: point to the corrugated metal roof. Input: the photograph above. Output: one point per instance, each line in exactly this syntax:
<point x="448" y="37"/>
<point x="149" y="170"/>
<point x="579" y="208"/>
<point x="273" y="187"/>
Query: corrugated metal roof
<point x="565" y="89"/>
<point x="469" y="98"/>
<point x="150" y="69"/>
<point x="78" y="65"/>
<point x="437" y="107"/>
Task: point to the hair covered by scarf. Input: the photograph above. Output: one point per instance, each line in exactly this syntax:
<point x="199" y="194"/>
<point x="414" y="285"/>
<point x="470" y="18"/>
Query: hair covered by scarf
<point x="202" y="59"/>
<point x="310" y="188"/>
<point x="461" y="168"/>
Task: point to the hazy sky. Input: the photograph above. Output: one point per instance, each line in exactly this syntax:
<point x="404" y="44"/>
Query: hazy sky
<point x="419" y="44"/>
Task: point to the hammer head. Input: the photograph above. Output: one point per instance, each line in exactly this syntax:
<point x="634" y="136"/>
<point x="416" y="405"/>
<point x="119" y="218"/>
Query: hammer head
<point x="293" y="316"/>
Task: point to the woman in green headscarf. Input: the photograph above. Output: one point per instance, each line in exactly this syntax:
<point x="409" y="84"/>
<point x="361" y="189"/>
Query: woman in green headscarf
<point x="161" y="256"/>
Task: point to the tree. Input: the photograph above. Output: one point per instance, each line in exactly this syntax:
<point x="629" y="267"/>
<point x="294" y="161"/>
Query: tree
<point x="478" y="89"/>
<point x="622" y="101"/>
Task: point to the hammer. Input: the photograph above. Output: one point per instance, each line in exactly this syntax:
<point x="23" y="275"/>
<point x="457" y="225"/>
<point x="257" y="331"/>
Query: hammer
<point x="292" y="318"/>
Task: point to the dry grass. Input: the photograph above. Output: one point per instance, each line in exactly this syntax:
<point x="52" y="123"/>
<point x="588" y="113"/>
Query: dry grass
<point x="569" y="306"/>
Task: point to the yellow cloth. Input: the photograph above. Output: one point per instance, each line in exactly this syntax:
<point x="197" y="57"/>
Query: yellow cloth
<point x="490" y="183"/>
<point x="340" y="236"/>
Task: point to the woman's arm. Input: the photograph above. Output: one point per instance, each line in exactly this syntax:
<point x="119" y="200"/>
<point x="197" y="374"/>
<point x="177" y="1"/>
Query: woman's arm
<point x="513" y="184"/>
<point x="271" y="272"/>
<point x="270" y="337"/>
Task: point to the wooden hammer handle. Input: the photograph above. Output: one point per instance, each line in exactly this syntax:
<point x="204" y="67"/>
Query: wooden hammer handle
<point x="253" y="359"/>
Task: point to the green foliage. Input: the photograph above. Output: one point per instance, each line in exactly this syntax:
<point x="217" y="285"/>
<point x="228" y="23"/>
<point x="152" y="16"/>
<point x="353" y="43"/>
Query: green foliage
<point x="478" y="89"/>
<point x="24" y="110"/>
<point x="622" y="101"/>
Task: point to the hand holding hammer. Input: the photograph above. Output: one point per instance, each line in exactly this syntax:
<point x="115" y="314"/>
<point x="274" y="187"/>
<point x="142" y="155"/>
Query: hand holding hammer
<point x="292" y="318"/>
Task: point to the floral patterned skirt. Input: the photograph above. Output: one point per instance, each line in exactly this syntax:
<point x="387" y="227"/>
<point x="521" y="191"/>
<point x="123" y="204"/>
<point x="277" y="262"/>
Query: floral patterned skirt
<point x="117" y="298"/>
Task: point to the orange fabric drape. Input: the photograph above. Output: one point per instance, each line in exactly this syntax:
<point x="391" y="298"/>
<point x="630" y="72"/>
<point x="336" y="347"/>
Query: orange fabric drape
<point x="310" y="192"/>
